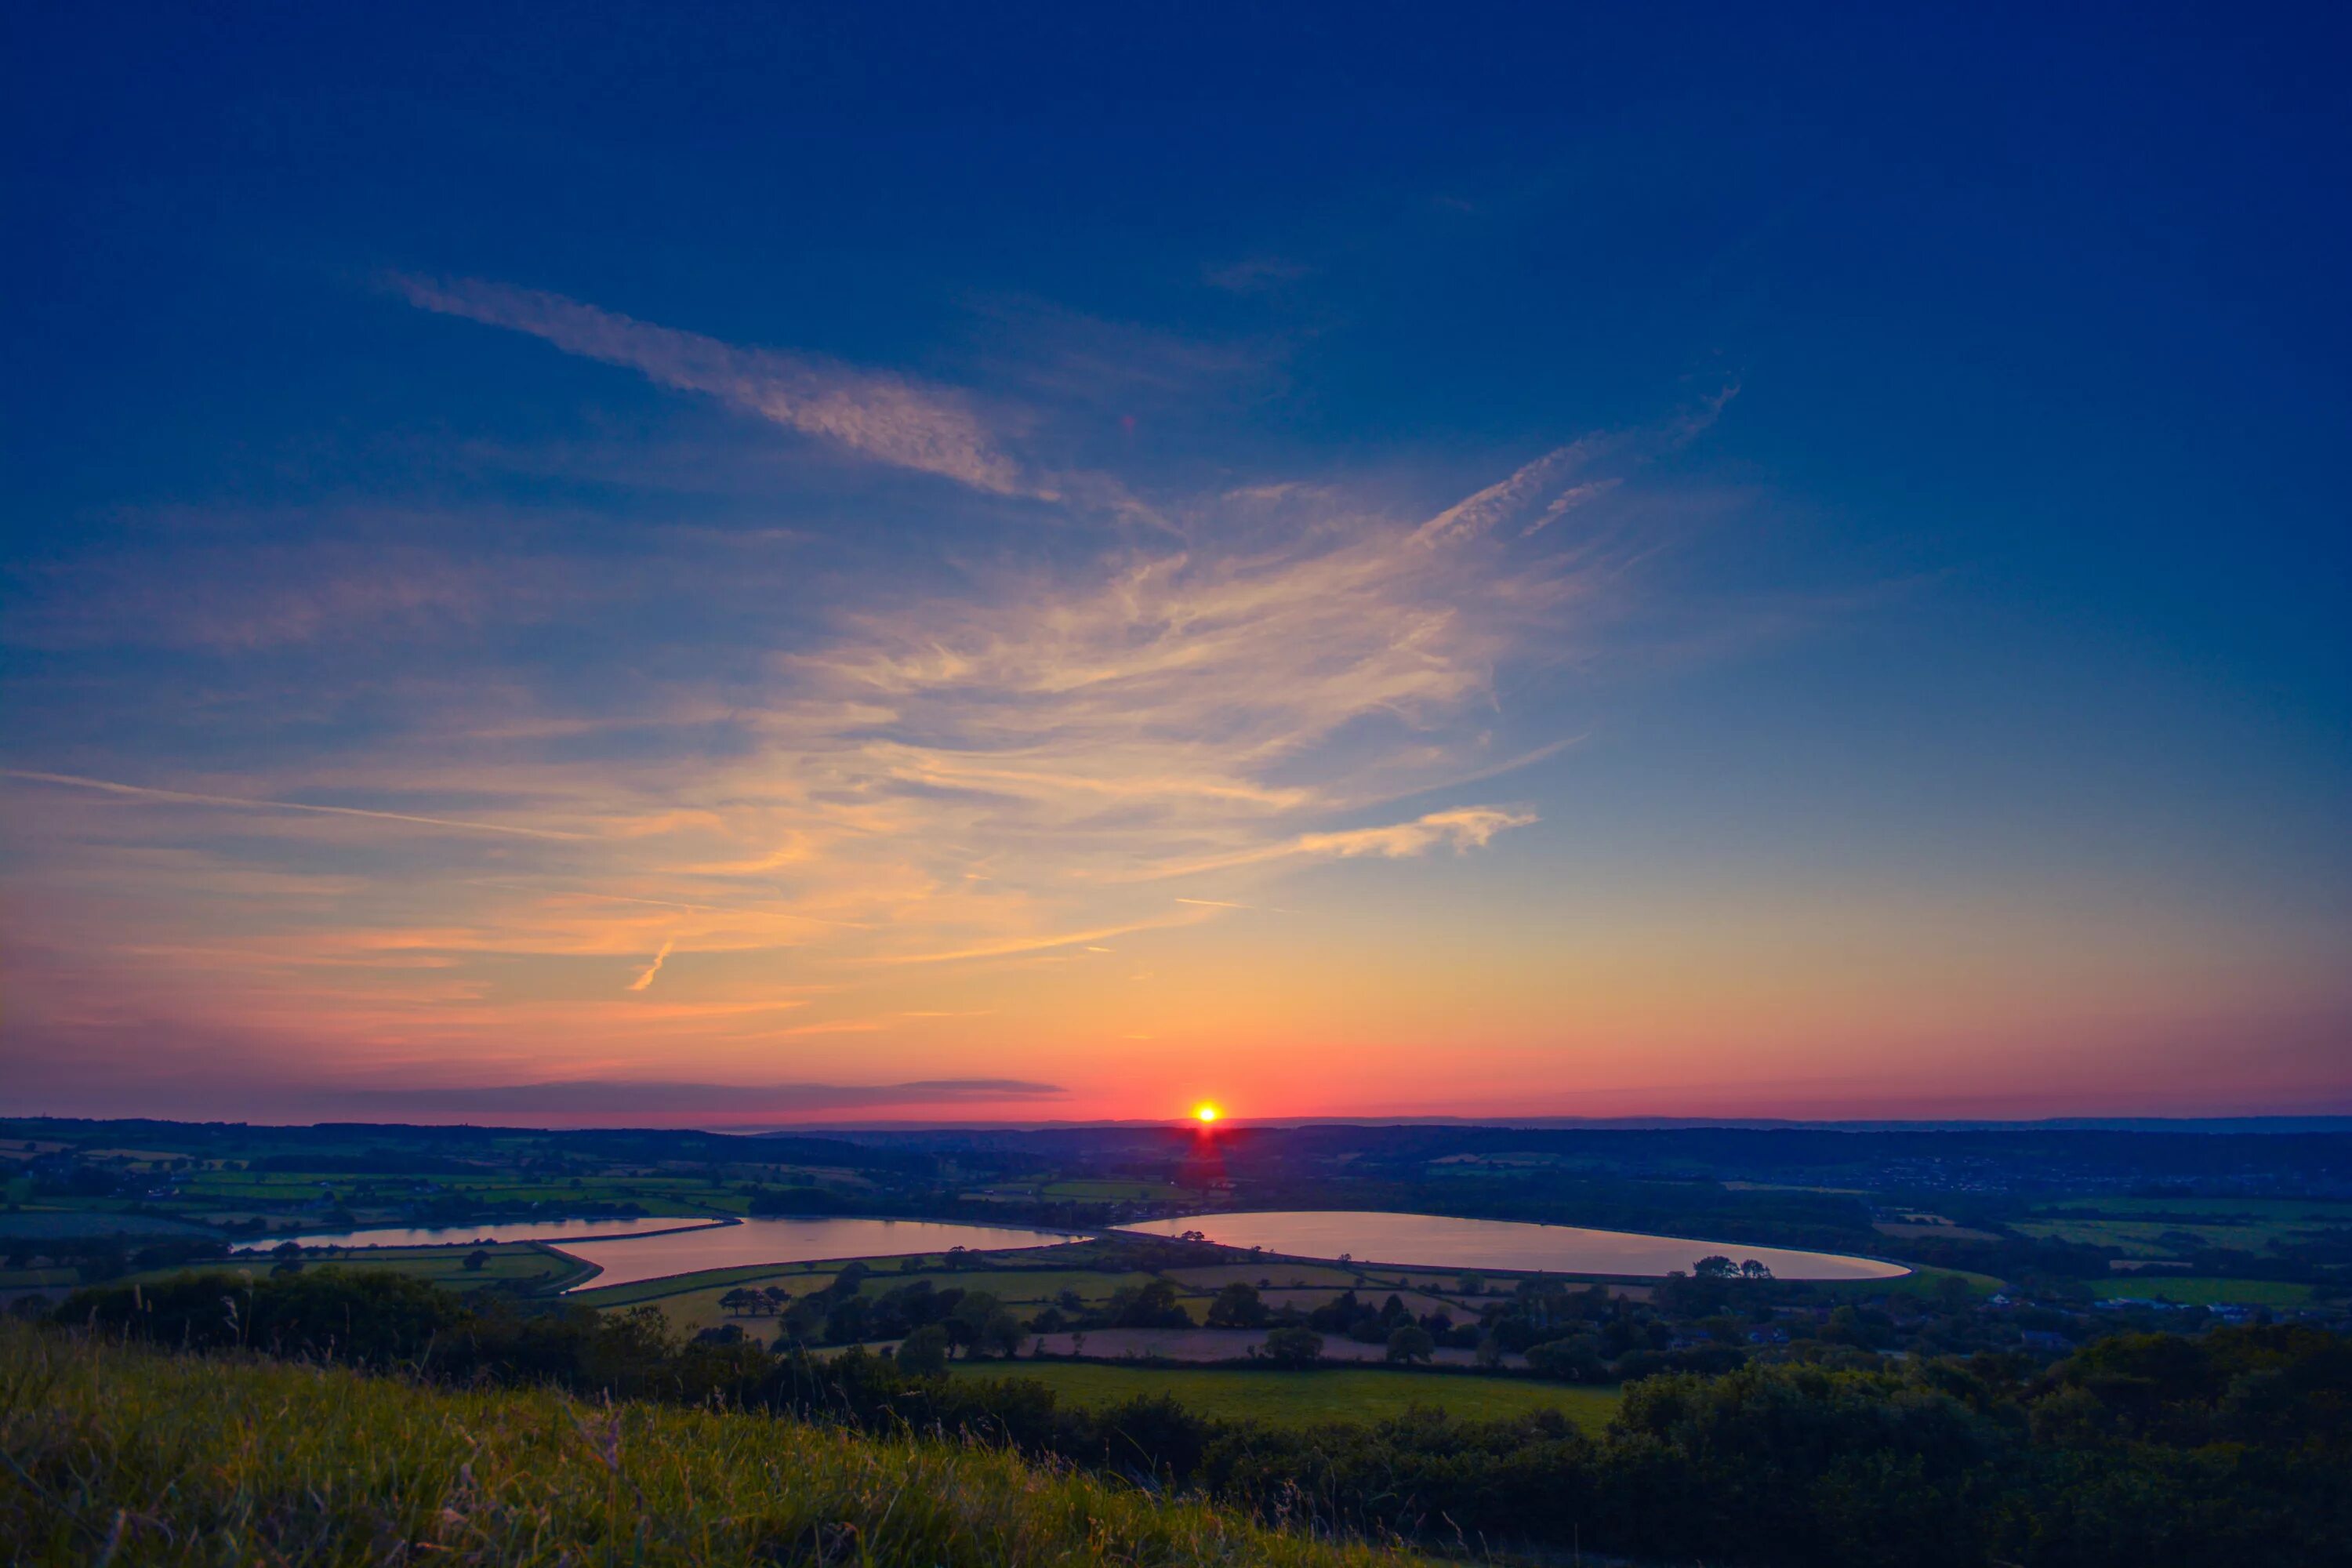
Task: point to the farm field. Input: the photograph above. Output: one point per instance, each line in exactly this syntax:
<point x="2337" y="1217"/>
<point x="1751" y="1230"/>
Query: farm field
<point x="2254" y="1211"/>
<point x="1216" y="1275"/>
<point x="692" y="1311"/>
<point x="798" y="1277"/>
<point x="2147" y="1239"/>
<point x="1306" y="1397"/>
<point x="691" y="1301"/>
<point x="1371" y="1291"/>
<point x="1922" y="1281"/>
<point x="2199" y="1292"/>
<point x="58" y="1224"/>
<point x="525" y="1264"/>
<point x="1110" y="1191"/>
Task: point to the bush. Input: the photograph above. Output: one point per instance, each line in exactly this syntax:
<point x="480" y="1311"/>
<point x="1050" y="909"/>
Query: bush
<point x="924" y="1352"/>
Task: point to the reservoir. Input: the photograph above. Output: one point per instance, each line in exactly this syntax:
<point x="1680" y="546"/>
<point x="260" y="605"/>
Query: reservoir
<point x="1434" y="1241"/>
<point x="550" y="1231"/>
<point x="628" y="1259"/>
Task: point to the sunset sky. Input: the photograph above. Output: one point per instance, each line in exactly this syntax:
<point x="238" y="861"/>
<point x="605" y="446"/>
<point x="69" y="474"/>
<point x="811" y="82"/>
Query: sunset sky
<point x="740" y="571"/>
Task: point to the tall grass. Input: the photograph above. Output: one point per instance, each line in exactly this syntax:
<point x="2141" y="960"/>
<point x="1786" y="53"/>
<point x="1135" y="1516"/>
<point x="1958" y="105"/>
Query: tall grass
<point x="123" y="1456"/>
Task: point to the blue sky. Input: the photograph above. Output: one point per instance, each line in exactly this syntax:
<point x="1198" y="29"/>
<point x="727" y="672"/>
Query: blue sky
<point x="859" y="518"/>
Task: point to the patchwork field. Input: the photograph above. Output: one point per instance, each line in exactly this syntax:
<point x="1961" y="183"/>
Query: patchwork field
<point x="2195" y="1291"/>
<point x="57" y="1225"/>
<point x="2160" y="1239"/>
<point x="524" y="1264"/>
<point x="1217" y="1275"/>
<point x="1109" y="1191"/>
<point x="2249" y="1211"/>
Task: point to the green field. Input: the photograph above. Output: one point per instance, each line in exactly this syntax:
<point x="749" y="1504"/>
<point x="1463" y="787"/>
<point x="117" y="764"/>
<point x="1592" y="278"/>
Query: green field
<point x="1303" y="1398"/>
<point x="1921" y="1280"/>
<point x="1211" y="1277"/>
<point x="525" y="1264"/>
<point x="2252" y="1211"/>
<point x="1109" y="1191"/>
<point x="208" y="1460"/>
<point x="690" y="1301"/>
<point x="2146" y="1237"/>
<point x="2195" y="1291"/>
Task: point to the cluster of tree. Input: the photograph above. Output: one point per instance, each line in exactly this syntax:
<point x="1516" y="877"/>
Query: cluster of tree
<point x="746" y="1301"/>
<point x="936" y="1322"/>
<point x="94" y="1259"/>
<point x="799" y="1201"/>
<point x="2140" y="1449"/>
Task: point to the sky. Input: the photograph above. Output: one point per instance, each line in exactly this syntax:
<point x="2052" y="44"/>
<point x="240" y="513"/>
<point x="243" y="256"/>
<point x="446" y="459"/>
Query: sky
<point x="728" y="566"/>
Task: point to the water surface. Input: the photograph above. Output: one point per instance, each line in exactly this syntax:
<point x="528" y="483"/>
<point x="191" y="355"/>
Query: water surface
<point x="475" y="1235"/>
<point x="1434" y="1241"/>
<point x="631" y="1259"/>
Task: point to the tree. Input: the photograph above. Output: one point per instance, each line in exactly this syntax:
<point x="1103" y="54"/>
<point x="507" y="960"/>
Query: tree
<point x="1471" y="1285"/>
<point x="738" y="1300"/>
<point x="849" y="1321"/>
<point x="1714" y="1266"/>
<point x="1237" y="1306"/>
<point x="924" y="1352"/>
<point x="475" y="1260"/>
<point x="806" y="1318"/>
<point x="1411" y="1343"/>
<point x="1295" y="1346"/>
<point x="1150" y="1305"/>
<point x="1576" y="1358"/>
<point x="1001" y="1334"/>
<point x="778" y="1297"/>
<point x="980" y="1324"/>
<point x="1751" y="1269"/>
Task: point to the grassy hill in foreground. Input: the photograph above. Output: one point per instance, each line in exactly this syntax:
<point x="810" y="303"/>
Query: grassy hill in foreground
<point x="135" y="1457"/>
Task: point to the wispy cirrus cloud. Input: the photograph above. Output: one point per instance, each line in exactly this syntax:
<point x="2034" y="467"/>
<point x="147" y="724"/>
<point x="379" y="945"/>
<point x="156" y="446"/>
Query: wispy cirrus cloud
<point x="1458" y="828"/>
<point x="848" y="806"/>
<point x="660" y="958"/>
<point x="243" y="802"/>
<point x="716" y="1101"/>
<point x="884" y="418"/>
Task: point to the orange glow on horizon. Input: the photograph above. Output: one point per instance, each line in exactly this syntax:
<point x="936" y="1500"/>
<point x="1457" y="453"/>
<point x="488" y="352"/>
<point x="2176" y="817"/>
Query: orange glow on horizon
<point x="1206" y="1113"/>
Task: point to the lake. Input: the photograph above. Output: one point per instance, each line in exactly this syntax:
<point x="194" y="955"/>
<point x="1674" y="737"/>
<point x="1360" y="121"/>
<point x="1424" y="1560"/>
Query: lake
<point x="627" y="1260"/>
<point x="465" y="1235"/>
<point x="1434" y="1241"/>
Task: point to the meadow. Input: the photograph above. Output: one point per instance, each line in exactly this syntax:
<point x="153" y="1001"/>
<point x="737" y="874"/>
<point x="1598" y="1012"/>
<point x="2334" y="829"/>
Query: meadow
<point x="1025" y="1281"/>
<point x="1304" y="1398"/>
<point x="2193" y="1291"/>
<point x="132" y="1458"/>
<point x="522" y="1264"/>
<point x="2169" y="1226"/>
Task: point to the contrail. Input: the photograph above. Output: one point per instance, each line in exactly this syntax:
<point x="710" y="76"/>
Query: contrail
<point x="642" y="981"/>
<point x="108" y="787"/>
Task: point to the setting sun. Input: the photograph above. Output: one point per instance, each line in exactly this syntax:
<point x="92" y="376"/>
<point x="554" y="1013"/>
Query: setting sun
<point x="1206" y="1112"/>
